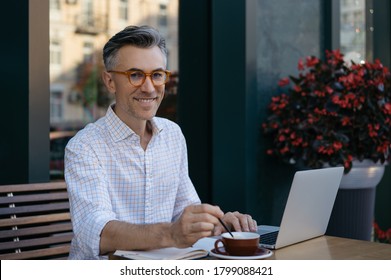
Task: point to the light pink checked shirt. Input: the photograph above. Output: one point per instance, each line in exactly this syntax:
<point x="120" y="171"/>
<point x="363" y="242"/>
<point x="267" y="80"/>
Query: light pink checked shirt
<point x="110" y="177"/>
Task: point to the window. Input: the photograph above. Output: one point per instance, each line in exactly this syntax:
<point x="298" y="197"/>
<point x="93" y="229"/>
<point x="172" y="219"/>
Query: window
<point x="55" y="10"/>
<point x="56" y="112"/>
<point x="55" y="57"/>
<point x="123" y="9"/>
<point x="55" y="53"/>
<point x="54" y="5"/>
<point x="356" y="30"/>
<point x="88" y="51"/>
<point x="88" y="12"/>
<point x="163" y="15"/>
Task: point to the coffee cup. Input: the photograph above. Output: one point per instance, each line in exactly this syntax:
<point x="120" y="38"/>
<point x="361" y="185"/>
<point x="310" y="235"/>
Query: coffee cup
<point x="241" y="244"/>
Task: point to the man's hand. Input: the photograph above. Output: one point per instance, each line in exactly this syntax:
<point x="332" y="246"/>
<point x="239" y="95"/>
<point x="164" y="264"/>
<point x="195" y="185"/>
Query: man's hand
<point x="196" y="221"/>
<point x="237" y="222"/>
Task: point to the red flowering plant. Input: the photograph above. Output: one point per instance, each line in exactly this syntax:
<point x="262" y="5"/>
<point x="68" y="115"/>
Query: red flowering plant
<point x="333" y="113"/>
<point x="383" y="236"/>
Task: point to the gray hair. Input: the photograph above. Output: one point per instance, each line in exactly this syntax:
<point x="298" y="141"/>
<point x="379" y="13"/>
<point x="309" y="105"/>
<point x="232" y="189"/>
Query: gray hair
<point x="138" y="36"/>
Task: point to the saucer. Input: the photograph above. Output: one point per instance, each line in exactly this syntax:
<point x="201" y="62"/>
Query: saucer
<point x="260" y="253"/>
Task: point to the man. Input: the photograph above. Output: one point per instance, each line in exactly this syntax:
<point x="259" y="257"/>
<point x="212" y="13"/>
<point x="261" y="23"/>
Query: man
<point x="127" y="173"/>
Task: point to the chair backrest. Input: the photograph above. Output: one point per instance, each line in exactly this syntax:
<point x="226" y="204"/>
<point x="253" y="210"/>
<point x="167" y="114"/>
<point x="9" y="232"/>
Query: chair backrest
<point x="35" y="221"/>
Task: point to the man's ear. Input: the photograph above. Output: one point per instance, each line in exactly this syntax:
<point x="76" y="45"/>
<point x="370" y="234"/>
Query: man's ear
<point x="108" y="81"/>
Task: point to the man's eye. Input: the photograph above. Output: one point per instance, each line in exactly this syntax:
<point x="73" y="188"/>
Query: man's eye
<point x="158" y="75"/>
<point x="137" y="75"/>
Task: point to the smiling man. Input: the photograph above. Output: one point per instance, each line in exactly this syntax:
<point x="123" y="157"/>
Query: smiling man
<point x="127" y="173"/>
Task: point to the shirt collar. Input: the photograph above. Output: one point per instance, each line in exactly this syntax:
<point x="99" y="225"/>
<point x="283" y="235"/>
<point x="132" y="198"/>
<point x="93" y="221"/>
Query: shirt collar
<point x="120" y="131"/>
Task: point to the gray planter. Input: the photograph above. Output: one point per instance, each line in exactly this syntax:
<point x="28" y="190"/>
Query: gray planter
<point x="353" y="212"/>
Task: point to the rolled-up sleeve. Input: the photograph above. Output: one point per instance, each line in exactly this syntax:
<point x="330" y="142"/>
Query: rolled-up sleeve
<point x="90" y="203"/>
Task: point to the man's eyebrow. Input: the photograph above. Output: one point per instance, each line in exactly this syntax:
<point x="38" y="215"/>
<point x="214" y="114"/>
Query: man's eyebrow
<point x="137" y="69"/>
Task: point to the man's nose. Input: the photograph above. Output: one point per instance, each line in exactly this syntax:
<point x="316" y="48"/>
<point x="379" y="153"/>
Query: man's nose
<point x="148" y="86"/>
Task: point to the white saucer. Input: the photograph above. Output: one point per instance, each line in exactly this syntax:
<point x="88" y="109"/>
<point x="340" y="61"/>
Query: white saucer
<point x="261" y="253"/>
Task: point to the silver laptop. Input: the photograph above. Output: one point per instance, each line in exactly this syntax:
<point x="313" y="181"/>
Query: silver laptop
<point x="308" y="208"/>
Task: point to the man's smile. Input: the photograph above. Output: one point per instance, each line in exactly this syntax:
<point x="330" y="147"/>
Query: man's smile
<point x="145" y="100"/>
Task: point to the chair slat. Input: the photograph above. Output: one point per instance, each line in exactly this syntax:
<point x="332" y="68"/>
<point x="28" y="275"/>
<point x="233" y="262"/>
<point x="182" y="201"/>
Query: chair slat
<point x="34" y="219"/>
<point x="34" y="197"/>
<point x="33" y="187"/>
<point x="34" y="208"/>
<point x="35" y="242"/>
<point x="54" y="228"/>
<point x="35" y="254"/>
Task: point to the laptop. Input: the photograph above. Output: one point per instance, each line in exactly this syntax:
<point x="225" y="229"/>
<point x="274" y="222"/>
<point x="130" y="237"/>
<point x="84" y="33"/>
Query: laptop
<point x="308" y="208"/>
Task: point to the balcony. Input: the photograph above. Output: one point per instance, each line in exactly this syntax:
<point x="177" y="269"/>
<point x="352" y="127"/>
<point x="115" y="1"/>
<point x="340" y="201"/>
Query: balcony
<point x="90" y="25"/>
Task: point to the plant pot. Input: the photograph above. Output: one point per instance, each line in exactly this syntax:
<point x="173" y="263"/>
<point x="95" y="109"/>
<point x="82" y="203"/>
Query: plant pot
<point x="353" y="211"/>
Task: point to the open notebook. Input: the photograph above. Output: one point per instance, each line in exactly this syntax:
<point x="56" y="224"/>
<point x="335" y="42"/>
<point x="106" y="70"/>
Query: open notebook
<point x="200" y="249"/>
<point x="308" y="208"/>
<point x="170" y="253"/>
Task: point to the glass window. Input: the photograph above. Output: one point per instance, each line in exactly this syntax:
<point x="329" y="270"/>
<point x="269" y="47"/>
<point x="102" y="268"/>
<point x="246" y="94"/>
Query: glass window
<point x="88" y="51"/>
<point x="55" y="10"/>
<point x="356" y="29"/>
<point x="163" y="15"/>
<point x="55" y="53"/>
<point x="78" y="95"/>
<point x="54" y="5"/>
<point x="56" y="112"/>
<point x="88" y="12"/>
<point x="123" y="9"/>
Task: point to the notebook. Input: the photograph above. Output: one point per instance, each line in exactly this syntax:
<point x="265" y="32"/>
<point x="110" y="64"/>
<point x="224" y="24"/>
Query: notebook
<point x="169" y="253"/>
<point x="308" y="208"/>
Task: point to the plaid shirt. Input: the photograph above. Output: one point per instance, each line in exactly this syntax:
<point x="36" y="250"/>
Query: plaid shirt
<point x="110" y="177"/>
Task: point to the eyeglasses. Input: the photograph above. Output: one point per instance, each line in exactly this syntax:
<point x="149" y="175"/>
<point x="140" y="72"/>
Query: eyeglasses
<point x="137" y="77"/>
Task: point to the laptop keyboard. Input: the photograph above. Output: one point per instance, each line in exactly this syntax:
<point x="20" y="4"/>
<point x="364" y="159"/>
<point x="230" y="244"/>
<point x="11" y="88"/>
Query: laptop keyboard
<point x="269" y="238"/>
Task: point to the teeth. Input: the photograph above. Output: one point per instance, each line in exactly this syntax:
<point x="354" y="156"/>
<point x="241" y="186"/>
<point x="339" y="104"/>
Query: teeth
<point x="146" y="100"/>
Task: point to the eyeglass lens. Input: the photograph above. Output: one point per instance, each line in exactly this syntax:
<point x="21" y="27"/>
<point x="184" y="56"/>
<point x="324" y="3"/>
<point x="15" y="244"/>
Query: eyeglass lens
<point x="138" y="77"/>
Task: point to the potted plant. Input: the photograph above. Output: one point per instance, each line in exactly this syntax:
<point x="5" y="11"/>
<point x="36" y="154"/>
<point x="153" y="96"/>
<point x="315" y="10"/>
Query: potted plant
<point x="332" y="114"/>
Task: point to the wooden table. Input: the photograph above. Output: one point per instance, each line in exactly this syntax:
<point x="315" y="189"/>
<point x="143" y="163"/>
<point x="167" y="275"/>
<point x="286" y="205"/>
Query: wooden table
<point x="334" y="248"/>
<point x="327" y="248"/>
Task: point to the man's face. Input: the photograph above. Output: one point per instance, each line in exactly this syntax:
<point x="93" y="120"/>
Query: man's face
<point x="134" y="103"/>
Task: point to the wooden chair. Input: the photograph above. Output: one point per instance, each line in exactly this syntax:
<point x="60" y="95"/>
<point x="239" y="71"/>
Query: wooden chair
<point x="35" y="221"/>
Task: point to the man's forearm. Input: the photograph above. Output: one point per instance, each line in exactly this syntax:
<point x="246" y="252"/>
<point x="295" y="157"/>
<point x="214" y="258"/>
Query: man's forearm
<point x="117" y="235"/>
